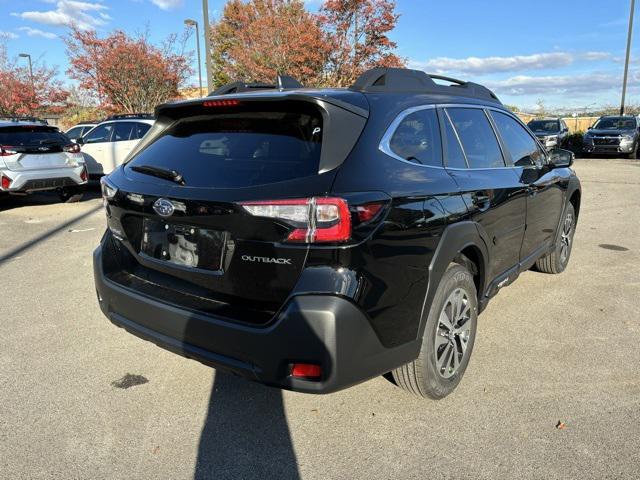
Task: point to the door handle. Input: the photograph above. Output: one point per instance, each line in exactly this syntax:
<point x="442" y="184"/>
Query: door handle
<point x="480" y="200"/>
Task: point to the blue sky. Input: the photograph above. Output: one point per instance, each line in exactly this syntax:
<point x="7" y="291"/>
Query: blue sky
<point x="567" y="53"/>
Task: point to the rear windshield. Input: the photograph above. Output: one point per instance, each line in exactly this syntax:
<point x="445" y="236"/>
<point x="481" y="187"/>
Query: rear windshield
<point x="36" y="135"/>
<point x="240" y="148"/>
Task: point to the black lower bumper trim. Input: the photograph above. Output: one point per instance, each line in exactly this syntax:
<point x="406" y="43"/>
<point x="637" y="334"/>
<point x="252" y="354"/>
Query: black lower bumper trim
<point x="326" y="330"/>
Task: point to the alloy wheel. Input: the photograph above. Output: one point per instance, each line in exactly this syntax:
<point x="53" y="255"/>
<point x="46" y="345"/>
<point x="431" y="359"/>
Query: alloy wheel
<point x="566" y="237"/>
<point x="453" y="333"/>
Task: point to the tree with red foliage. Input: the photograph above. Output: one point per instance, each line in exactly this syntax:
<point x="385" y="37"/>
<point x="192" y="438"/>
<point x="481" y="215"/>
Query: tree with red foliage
<point x="357" y="31"/>
<point x="255" y="40"/>
<point x="21" y="97"/>
<point x="126" y="75"/>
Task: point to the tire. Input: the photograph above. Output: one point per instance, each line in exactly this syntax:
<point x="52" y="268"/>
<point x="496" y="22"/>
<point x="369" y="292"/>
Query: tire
<point x="71" y="194"/>
<point x="431" y="375"/>
<point x="633" y="154"/>
<point x="557" y="260"/>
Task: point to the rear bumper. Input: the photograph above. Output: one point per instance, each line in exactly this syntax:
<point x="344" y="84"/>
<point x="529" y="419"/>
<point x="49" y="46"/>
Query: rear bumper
<point x="327" y="330"/>
<point x="45" y="179"/>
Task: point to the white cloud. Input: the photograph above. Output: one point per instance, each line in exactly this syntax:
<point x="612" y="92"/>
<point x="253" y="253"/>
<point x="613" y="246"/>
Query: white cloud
<point x="70" y="12"/>
<point x="34" y="32"/>
<point x="487" y="65"/>
<point x="8" y="36"/>
<point x="561" y="84"/>
<point x="167" y="4"/>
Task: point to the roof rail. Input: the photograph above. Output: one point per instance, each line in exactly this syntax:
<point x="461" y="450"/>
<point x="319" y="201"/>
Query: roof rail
<point x="417" y="81"/>
<point x="282" y="82"/>
<point x="123" y="116"/>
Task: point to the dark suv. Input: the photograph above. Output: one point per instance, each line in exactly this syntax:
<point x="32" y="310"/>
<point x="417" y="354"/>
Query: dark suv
<point x="613" y="135"/>
<point x="312" y="239"/>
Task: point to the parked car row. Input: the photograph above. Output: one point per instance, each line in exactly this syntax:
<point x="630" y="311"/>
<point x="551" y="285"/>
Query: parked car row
<point x="37" y="157"/>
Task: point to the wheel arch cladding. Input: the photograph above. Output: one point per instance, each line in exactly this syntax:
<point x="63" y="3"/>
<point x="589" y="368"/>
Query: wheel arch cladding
<point x="460" y="243"/>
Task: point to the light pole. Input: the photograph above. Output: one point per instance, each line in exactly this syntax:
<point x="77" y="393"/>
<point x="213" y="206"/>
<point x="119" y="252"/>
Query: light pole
<point x="192" y="23"/>
<point x="207" y="39"/>
<point x="626" y="62"/>
<point x="33" y="87"/>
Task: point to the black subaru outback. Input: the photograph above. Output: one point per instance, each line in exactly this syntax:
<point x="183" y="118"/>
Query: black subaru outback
<point x="312" y="239"/>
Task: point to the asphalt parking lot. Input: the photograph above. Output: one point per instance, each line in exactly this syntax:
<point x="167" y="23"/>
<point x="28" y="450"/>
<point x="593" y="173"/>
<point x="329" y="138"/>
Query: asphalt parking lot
<point x="549" y="349"/>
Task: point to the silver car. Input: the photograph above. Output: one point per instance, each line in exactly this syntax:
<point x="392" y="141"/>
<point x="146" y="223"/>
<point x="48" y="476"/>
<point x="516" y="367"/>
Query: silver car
<point x="35" y="157"/>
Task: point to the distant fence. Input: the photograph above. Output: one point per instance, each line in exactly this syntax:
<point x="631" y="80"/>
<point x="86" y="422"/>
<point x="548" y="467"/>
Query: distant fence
<point x="577" y="124"/>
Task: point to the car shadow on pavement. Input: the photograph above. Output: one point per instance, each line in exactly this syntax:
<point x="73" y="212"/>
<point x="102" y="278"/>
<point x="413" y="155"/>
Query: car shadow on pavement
<point x="9" y="202"/>
<point x="245" y="435"/>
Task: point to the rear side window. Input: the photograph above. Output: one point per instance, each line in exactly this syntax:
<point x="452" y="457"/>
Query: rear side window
<point x="417" y="138"/>
<point x="455" y="155"/>
<point x="523" y="148"/>
<point x="233" y="149"/>
<point x="139" y="130"/>
<point x="478" y="139"/>
<point x="28" y="135"/>
<point x="75" y="132"/>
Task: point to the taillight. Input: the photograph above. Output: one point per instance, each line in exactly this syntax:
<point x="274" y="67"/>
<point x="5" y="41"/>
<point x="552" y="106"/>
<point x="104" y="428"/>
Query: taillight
<point x="72" y="148"/>
<point x="84" y="175"/>
<point x="6" y="182"/>
<point x="315" y="220"/>
<point x="6" y="151"/>
<point x="368" y="211"/>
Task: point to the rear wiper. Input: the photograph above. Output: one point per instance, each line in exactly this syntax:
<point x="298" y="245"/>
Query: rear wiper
<point x="165" y="173"/>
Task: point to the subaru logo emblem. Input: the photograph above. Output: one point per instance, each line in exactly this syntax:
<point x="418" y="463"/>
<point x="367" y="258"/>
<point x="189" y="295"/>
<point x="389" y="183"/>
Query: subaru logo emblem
<point x="164" y="207"/>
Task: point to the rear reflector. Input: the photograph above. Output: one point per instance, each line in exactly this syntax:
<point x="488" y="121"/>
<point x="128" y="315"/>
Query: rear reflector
<point x="5" y="182"/>
<point x="306" y="370"/>
<point x="221" y="103"/>
<point x="315" y="220"/>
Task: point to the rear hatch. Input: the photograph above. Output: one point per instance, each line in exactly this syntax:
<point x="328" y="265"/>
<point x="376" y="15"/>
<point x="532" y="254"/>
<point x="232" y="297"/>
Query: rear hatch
<point x="212" y="212"/>
<point x="36" y="147"/>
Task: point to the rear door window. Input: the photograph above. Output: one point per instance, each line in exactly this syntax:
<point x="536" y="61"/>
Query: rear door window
<point x="417" y="138"/>
<point x="248" y="146"/>
<point x="477" y="136"/>
<point x="123" y="131"/>
<point x="523" y="148"/>
<point x="455" y="155"/>
<point x="102" y="133"/>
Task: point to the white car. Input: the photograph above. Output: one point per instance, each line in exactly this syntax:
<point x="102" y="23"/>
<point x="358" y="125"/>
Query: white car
<point x="74" y="133"/>
<point x="37" y="157"/>
<point x="107" y="145"/>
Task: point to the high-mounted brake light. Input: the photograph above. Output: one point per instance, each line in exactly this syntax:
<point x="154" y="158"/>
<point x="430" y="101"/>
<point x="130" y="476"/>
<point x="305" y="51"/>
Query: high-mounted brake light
<point x="72" y="148"/>
<point x="221" y="103"/>
<point x="6" y="151"/>
<point x="315" y="220"/>
<point x="5" y="182"/>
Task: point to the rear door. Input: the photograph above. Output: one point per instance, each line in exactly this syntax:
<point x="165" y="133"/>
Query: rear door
<point x="34" y="147"/>
<point x="95" y="149"/>
<point x="543" y="184"/>
<point x="125" y="136"/>
<point x="490" y="187"/>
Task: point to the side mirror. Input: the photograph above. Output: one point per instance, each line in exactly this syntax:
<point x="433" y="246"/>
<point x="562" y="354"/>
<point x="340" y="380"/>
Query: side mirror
<point x="559" y="158"/>
<point x="80" y="140"/>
